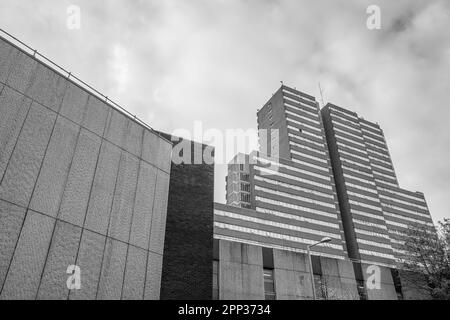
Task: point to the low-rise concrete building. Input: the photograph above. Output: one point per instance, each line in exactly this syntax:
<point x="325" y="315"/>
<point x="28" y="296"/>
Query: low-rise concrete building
<point x="84" y="192"/>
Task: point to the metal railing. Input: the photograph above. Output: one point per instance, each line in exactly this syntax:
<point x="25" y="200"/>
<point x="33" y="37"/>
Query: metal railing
<point x="69" y="75"/>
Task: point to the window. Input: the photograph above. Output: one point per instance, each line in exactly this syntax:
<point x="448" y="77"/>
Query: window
<point x="245" y="187"/>
<point x="245" y="197"/>
<point x="215" y="280"/>
<point x="269" y="285"/>
<point x="241" y="167"/>
<point x="244" y="176"/>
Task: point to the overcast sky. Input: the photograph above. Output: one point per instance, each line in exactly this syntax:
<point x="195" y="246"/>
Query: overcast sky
<point x="175" y="62"/>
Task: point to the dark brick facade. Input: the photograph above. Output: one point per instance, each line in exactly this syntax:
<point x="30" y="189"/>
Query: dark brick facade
<point x="188" y="247"/>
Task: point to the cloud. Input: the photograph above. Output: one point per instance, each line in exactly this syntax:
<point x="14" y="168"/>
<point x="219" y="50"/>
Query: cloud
<point x="219" y="61"/>
<point x="119" y="69"/>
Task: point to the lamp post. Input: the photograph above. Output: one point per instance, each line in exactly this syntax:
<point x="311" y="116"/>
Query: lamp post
<point x="324" y="240"/>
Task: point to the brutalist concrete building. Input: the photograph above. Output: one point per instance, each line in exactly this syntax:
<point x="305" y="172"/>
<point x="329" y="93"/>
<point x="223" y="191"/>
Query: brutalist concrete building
<point x="84" y="184"/>
<point x="328" y="174"/>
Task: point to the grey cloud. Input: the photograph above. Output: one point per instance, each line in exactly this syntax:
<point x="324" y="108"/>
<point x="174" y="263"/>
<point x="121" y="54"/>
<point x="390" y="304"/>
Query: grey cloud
<point x="218" y="61"/>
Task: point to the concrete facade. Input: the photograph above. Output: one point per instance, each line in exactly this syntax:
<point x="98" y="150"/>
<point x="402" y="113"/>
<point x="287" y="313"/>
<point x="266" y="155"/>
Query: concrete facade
<point x="80" y="184"/>
<point x="240" y="271"/>
<point x="386" y="289"/>
<point x="240" y="274"/>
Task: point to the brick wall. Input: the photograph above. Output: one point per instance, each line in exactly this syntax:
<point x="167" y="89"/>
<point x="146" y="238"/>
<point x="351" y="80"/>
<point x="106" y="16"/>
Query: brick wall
<point x="188" y="247"/>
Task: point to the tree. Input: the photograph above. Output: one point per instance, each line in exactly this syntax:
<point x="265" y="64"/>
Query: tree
<point x="426" y="262"/>
<point x="326" y="290"/>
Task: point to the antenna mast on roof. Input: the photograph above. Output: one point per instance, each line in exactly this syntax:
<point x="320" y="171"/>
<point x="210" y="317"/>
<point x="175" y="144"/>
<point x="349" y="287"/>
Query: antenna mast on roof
<point x="321" y="95"/>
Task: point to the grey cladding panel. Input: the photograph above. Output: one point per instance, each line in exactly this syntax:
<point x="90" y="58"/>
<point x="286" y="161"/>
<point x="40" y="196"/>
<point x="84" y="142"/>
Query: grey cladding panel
<point x="113" y="267"/>
<point x="11" y="218"/>
<point x="27" y="265"/>
<point x="62" y="254"/>
<point x="96" y="115"/>
<point x="153" y="276"/>
<point x="90" y="261"/>
<point x="55" y="168"/>
<point x="74" y="103"/>
<point x="125" y="191"/>
<point x="76" y="193"/>
<point x="143" y="207"/>
<point x="100" y="203"/>
<point x="133" y="286"/>
<point x="158" y="226"/>
<point x="47" y="88"/>
<point x="7" y="55"/>
<point x="23" y="168"/>
<point x="22" y="72"/>
<point x="13" y="108"/>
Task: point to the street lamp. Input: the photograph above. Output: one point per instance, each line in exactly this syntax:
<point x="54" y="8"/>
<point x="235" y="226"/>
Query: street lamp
<point x="324" y="240"/>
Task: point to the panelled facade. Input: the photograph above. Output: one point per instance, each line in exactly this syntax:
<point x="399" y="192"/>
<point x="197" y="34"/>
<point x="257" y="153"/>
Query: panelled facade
<point x="84" y="190"/>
